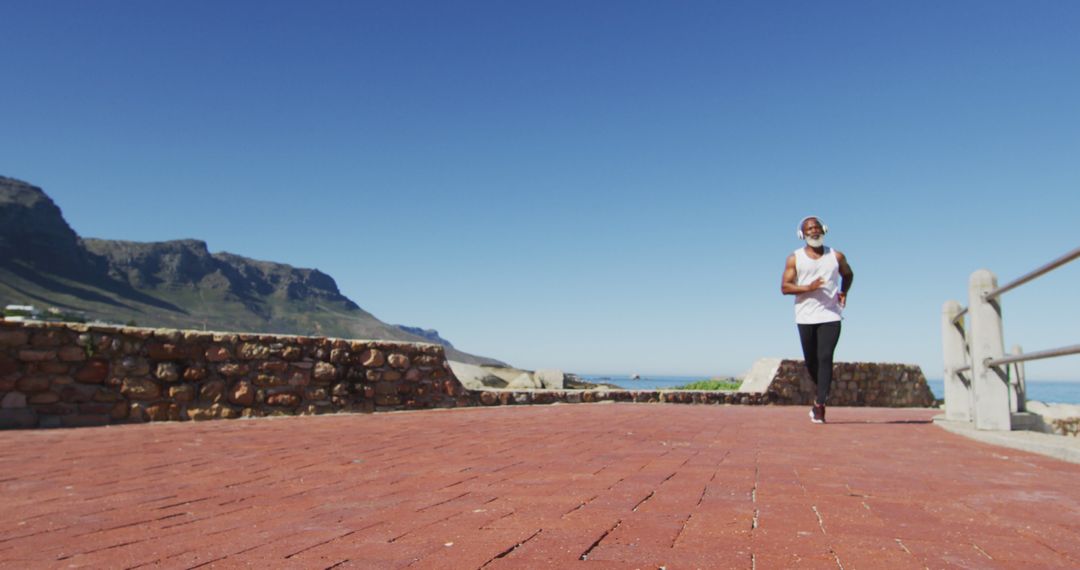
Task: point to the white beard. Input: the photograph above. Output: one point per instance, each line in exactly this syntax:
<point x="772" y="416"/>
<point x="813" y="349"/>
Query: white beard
<point x="815" y="242"/>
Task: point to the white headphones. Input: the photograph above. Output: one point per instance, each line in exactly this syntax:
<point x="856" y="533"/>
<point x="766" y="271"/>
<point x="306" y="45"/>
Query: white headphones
<point x="824" y="228"/>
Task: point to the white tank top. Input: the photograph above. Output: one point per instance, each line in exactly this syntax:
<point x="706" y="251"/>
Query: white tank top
<point x="821" y="305"/>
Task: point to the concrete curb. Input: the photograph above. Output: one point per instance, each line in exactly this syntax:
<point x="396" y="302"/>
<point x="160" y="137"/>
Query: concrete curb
<point x="1061" y="447"/>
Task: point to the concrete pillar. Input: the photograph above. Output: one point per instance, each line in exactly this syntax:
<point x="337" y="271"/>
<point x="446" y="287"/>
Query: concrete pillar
<point x="990" y="391"/>
<point x="957" y="392"/>
<point x="1018" y="384"/>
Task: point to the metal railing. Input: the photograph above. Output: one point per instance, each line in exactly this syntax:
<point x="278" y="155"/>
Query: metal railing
<point x="982" y="383"/>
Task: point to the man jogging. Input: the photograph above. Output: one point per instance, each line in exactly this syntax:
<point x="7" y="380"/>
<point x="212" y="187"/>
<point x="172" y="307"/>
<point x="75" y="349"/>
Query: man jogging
<point x="819" y="277"/>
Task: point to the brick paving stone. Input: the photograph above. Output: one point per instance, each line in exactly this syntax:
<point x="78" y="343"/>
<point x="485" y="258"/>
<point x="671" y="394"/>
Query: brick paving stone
<point x="582" y="486"/>
<point x="867" y="552"/>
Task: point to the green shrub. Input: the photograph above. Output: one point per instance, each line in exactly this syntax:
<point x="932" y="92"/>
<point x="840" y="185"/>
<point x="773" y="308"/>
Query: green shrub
<point x="713" y="384"/>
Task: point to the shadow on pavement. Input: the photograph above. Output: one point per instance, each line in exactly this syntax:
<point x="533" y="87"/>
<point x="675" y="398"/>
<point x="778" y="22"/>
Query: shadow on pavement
<point x="868" y="422"/>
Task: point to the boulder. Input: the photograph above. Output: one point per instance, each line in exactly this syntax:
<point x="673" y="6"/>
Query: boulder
<point x="757" y="379"/>
<point x="492" y="381"/>
<point x="1062" y="419"/>
<point x="13" y="400"/>
<point x="524" y="381"/>
<point x="550" y="379"/>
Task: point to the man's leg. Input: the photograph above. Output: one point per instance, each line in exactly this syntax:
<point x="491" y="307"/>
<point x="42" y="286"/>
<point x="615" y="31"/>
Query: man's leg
<point x="808" y="337"/>
<point x="828" y="334"/>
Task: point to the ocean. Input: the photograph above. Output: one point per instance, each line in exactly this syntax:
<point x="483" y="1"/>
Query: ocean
<point x="1048" y="391"/>
<point x="643" y="383"/>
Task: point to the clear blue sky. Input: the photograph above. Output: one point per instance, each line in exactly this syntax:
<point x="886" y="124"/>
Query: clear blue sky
<point x="602" y="187"/>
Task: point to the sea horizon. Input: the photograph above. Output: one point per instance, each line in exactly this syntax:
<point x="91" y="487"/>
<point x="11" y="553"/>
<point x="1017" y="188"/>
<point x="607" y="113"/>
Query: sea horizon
<point x="1049" y="391"/>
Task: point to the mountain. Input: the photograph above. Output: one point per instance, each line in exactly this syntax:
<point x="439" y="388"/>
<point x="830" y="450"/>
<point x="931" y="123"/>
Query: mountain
<point x="178" y="284"/>
<point x="431" y="335"/>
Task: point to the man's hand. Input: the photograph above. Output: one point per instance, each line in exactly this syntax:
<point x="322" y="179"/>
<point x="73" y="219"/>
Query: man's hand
<point x="842" y="296"/>
<point x="817" y="284"/>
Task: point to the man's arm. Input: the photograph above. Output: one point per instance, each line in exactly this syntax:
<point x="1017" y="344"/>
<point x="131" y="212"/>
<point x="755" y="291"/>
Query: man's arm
<point x="847" y="277"/>
<point x="788" y="284"/>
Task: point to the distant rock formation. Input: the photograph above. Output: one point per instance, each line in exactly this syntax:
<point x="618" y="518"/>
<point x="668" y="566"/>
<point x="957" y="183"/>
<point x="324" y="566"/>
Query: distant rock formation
<point x="431" y="335"/>
<point x="177" y="283"/>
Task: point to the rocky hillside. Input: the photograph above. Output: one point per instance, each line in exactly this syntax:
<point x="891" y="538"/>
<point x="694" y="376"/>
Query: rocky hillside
<point x="431" y="335"/>
<point x="177" y="284"/>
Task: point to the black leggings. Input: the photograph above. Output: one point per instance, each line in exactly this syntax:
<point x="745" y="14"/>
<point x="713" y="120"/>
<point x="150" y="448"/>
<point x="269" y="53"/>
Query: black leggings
<point x="818" y="344"/>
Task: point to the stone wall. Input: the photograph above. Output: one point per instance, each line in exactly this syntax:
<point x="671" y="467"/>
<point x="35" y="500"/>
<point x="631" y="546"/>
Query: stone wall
<point x="854" y="384"/>
<point x="65" y="375"/>
<point x="68" y="375"/>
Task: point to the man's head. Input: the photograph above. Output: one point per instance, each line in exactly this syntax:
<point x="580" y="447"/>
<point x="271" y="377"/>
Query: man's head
<point x="813" y="231"/>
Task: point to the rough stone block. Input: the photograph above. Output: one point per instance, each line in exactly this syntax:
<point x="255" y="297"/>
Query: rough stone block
<point x="398" y="360"/>
<point x="285" y="399"/>
<point x="106" y="395"/>
<point x="93" y="372"/>
<point x="182" y="392"/>
<point x="204" y="412"/>
<point x="325" y="372"/>
<point x="167" y="372"/>
<point x="48" y="338"/>
<point x="273" y="367"/>
<point x="13" y="338"/>
<point x="163" y="411"/>
<point x="72" y="354"/>
<point x="426" y="360"/>
<point x="242" y="394"/>
<point x="134" y="366"/>
<point x="383" y="388"/>
<point x="195" y="373"/>
<point x="232" y="369"/>
<point x="340" y="390"/>
<point x="372" y="358"/>
<point x="299" y="377"/>
<point x="140" y="388"/>
<point x="32" y="384"/>
<point x="120" y="411"/>
<point x="217" y="354"/>
<point x="387" y="400"/>
<point x="168" y="351"/>
<point x="52" y="367"/>
<point x="7" y="365"/>
<point x="77" y="393"/>
<point x="36" y="355"/>
<point x="267" y="380"/>
<point x="13" y="400"/>
<point x="252" y="351"/>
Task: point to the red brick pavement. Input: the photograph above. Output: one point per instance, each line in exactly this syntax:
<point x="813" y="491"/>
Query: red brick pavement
<point x="590" y="486"/>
